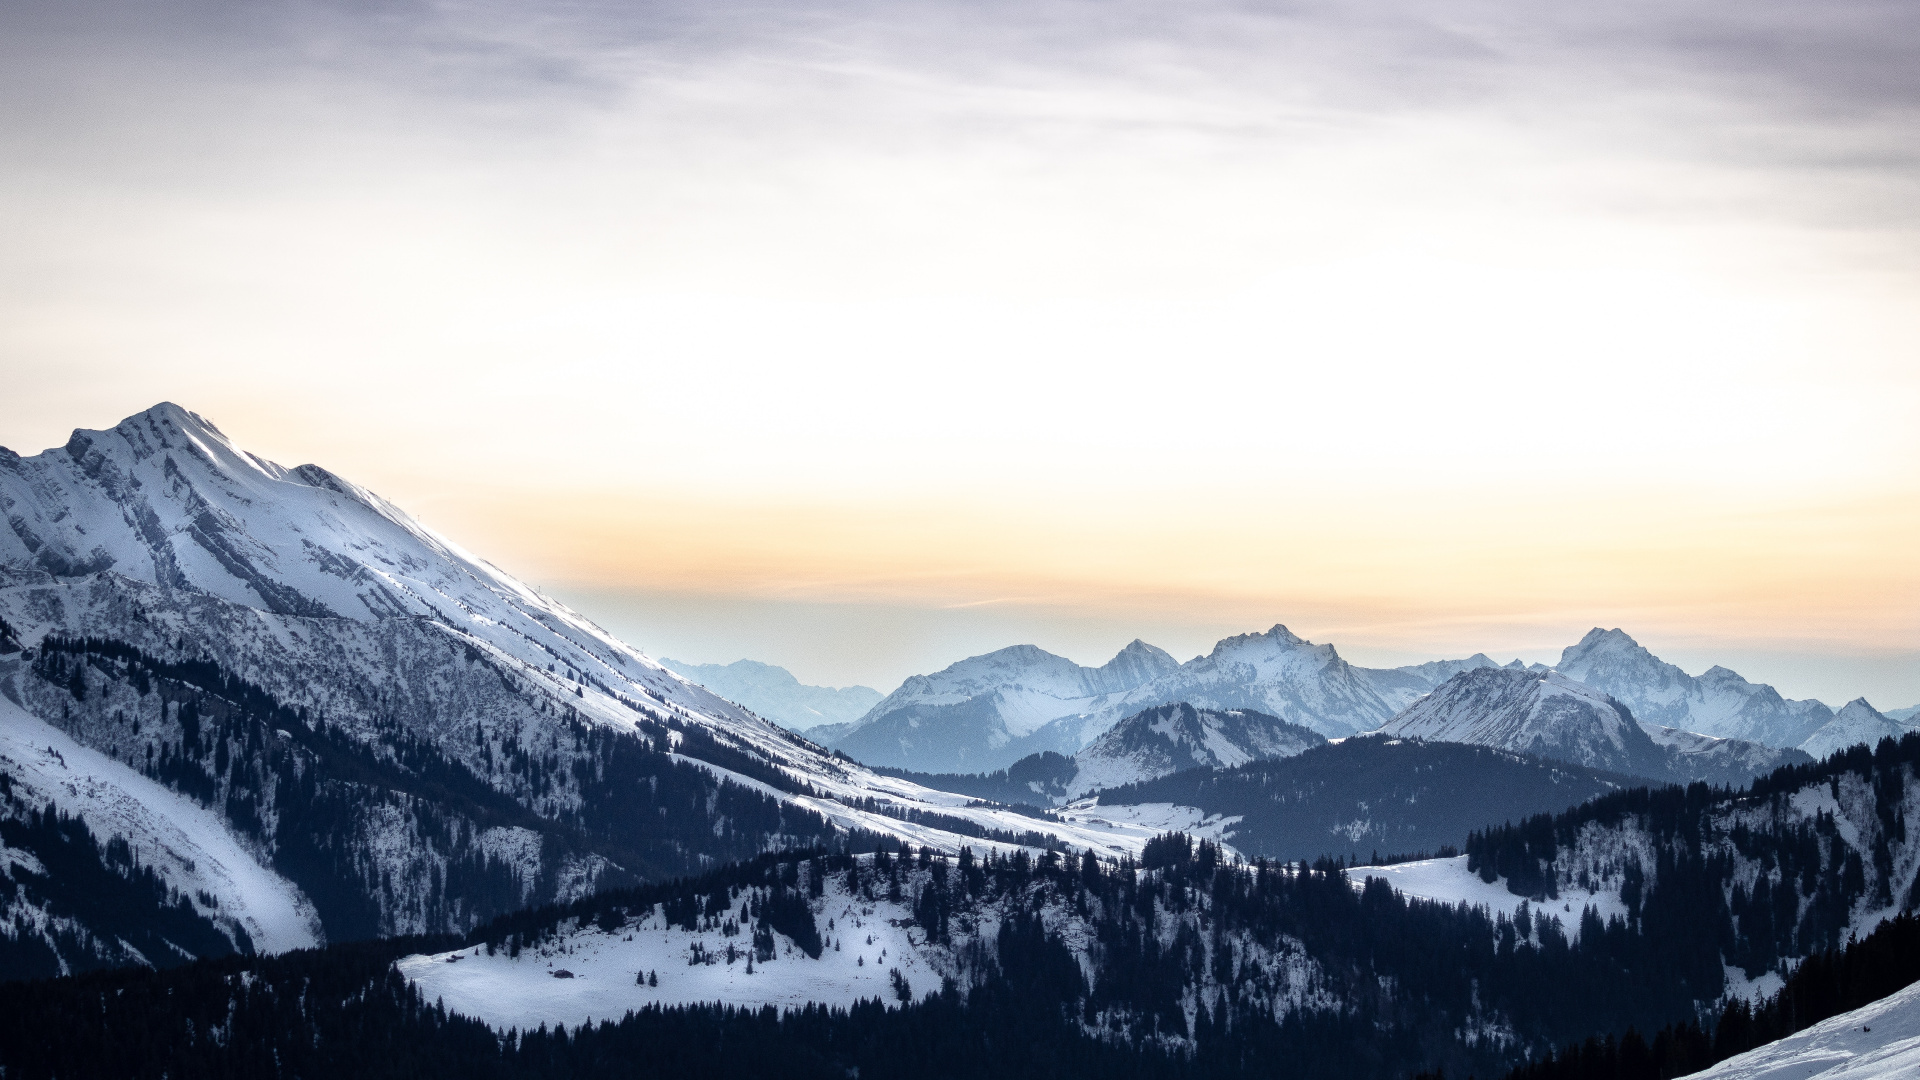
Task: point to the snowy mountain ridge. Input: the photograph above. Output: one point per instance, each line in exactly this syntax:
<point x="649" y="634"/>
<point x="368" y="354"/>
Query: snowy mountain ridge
<point x="988" y="711"/>
<point x="1717" y="702"/>
<point x="411" y="736"/>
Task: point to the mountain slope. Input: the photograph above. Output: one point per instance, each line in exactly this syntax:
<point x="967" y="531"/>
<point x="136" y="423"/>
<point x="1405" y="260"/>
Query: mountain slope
<point x="1880" y="1041"/>
<point x="187" y="848"/>
<point x="1718" y="702"/>
<point x="1169" y="738"/>
<point x="774" y="693"/>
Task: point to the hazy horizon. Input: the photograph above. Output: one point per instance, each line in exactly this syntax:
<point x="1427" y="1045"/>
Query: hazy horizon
<point x="869" y="336"/>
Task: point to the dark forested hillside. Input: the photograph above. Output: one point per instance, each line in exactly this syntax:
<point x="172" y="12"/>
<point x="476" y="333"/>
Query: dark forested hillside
<point x="459" y="841"/>
<point x="1183" y="965"/>
<point x="1365" y="796"/>
<point x="1787" y="866"/>
<point x="1827" y="984"/>
<point x="1035" y="780"/>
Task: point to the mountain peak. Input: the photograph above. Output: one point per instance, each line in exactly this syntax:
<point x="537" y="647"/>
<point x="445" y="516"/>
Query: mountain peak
<point x="166" y="423"/>
<point x="1859" y="707"/>
<point x="1136" y="664"/>
<point x="1282" y="634"/>
<point x="1612" y="640"/>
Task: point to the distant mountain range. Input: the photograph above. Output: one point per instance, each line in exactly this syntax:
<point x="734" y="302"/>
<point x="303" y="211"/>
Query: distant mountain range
<point x="987" y="712"/>
<point x="1548" y="714"/>
<point x="774" y="693"/>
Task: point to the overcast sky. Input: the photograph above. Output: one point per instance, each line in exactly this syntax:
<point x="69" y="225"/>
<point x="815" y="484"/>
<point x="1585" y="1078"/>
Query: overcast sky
<point x="861" y="336"/>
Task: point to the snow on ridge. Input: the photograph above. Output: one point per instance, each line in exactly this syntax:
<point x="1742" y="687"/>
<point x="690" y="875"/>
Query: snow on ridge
<point x="1879" y="1041"/>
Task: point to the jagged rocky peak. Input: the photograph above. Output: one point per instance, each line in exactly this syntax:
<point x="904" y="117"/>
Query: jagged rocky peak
<point x="1544" y="712"/>
<point x="1276" y="638"/>
<point x="1614" y="651"/>
<point x="1137" y="663"/>
<point x="1277" y="672"/>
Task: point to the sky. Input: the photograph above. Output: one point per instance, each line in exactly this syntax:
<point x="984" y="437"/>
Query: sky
<point x="858" y="337"/>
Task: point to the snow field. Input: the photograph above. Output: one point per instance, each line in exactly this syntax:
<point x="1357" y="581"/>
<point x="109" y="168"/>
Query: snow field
<point x="1450" y="882"/>
<point x="867" y="943"/>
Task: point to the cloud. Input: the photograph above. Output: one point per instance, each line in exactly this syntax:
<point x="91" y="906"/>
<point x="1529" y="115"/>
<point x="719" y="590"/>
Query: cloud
<point x="1216" y="260"/>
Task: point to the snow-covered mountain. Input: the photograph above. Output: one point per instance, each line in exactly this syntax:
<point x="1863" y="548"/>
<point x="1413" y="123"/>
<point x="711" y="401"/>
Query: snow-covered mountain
<point x="1693" y="756"/>
<point x="1277" y="672"/>
<point x="982" y="713"/>
<point x="774" y="693"/>
<point x="1549" y="714"/>
<point x="1545" y="714"/>
<point x="1910" y="714"/>
<point x="410" y="737"/>
<point x="1168" y="738"/>
<point x="1857" y="722"/>
<point x="1716" y="702"/>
